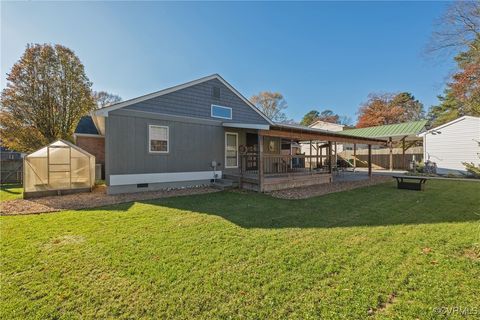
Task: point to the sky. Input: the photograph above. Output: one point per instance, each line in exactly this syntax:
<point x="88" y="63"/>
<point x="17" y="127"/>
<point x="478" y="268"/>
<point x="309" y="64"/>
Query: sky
<point x="319" y="55"/>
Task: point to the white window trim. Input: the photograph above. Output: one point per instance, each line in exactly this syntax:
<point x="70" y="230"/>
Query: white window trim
<point x="215" y="105"/>
<point x="149" y="139"/>
<point x="236" y="139"/>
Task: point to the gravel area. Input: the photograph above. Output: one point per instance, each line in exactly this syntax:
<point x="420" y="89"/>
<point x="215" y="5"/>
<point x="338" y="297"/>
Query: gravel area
<point x="321" y="189"/>
<point x="96" y="198"/>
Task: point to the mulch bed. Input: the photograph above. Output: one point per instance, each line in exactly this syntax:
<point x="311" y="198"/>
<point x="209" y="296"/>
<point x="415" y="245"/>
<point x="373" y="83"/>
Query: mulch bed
<point x="321" y="189"/>
<point x="97" y="198"/>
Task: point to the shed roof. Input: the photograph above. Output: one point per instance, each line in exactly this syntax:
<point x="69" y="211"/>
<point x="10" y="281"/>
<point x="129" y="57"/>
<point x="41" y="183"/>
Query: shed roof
<point x="407" y="129"/>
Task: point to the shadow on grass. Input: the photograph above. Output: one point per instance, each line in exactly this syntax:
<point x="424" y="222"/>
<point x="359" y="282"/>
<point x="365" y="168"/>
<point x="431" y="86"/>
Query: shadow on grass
<point x="380" y="205"/>
<point x="7" y="188"/>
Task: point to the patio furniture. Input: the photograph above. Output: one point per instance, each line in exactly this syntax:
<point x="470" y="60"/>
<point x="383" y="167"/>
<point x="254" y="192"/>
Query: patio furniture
<point x="411" y="182"/>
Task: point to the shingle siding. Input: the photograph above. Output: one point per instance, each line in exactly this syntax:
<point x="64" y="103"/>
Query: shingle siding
<point x="196" y="101"/>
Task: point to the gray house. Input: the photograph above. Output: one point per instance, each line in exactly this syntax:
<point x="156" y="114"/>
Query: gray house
<point x="205" y="129"/>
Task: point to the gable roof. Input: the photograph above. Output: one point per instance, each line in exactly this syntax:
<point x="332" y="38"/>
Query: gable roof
<point x="411" y="129"/>
<point x="86" y="126"/>
<point x="104" y="111"/>
<point x="447" y="124"/>
<point x="42" y="152"/>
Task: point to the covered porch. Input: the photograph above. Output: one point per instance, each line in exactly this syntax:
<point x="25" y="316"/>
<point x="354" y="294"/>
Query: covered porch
<point x="272" y="159"/>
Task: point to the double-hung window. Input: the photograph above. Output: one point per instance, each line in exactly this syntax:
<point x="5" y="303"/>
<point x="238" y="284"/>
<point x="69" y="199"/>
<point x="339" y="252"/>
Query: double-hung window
<point x="158" y="141"/>
<point x="231" y="150"/>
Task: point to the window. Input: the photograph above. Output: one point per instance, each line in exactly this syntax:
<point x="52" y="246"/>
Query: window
<point x="221" y="112"/>
<point x="216" y="92"/>
<point x="158" y="139"/>
<point x="231" y="150"/>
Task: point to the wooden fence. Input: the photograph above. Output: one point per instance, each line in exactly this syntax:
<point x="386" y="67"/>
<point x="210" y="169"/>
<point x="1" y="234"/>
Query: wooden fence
<point x="11" y="171"/>
<point x="381" y="157"/>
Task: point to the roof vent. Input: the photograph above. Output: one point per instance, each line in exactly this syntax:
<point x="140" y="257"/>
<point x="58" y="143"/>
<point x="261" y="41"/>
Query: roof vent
<point x="216" y="92"/>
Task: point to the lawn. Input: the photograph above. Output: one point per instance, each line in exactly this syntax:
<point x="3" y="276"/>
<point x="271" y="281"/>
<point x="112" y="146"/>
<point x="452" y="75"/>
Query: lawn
<point x="10" y="192"/>
<point x="374" y="252"/>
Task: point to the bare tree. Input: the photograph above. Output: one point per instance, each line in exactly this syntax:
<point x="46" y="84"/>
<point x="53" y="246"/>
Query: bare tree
<point x="456" y="29"/>
<point x="103" y="98"/>
<point x="271" y="104"/>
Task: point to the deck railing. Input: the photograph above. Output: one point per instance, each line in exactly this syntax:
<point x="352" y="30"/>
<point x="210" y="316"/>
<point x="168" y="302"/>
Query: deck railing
<point x="283" y="164"/>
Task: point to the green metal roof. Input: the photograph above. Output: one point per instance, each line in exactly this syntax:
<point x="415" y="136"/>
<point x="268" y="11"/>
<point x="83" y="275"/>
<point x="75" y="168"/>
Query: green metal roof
<point x="390" y="130"/>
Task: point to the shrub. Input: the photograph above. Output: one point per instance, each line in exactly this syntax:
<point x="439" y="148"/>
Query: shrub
<point x="472" y="169"/>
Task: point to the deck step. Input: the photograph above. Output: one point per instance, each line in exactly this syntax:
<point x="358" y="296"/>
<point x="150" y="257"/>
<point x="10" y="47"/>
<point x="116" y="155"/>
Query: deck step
<point x="225" y="184"/>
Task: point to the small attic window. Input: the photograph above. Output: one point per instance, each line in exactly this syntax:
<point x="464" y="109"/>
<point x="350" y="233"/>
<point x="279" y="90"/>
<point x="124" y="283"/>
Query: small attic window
<point x="216" y="92"/>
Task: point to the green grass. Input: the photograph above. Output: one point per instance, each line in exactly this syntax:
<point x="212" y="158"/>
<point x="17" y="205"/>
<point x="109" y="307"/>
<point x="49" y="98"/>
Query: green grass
<point x="374" y="252"/>
<point x="10" y="192"/>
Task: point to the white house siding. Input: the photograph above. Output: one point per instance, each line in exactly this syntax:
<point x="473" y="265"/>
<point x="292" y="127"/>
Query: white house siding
<point x="457" y="142"/>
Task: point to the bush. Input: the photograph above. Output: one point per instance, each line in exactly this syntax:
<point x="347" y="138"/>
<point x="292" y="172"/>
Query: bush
<point x="472" y="169"/>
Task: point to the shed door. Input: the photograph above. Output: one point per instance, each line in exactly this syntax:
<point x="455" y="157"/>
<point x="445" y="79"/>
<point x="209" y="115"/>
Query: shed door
<point x="58" y="167"/>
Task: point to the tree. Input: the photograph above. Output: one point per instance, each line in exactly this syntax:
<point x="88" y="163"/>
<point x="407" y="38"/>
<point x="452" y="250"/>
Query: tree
<point x="389" y="108"/>
<point x="377" y="111"/>
<point x="462" y="95"/>
<point x="46" y="95"/>
<point x="457" y="29"/>
<point x="329" y="116"/>
<point x="272" y="104"/>
<point x="413" y="109"/>
<point x="310" y="117"/>
<point x="103" y="98"/>
<point x="326" y="115"/>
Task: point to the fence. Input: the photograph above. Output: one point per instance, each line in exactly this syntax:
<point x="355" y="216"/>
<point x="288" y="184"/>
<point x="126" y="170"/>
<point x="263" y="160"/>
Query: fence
<point x="11" y="171"/>
<point x="381" y="157"/>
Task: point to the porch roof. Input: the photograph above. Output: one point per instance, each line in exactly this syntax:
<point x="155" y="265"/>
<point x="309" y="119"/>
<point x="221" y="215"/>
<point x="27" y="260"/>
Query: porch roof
<point x="302" y="133"/>
<point x="408" y="130"/>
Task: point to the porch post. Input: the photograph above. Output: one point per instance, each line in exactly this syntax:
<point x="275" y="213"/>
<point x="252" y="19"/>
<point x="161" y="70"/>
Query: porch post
<point x="354" y="156"/>
<point x="317" y="166"/>
<point x="336" y="157"/>
<point x="390" y="146"/>
<point x="403" y="154"/>
<point x="330" y="156"/>
<point x="260" y="163"/>
<point x="369" y="160"/>
<point x="321" y="156"/>
<point x="310" y="156"/>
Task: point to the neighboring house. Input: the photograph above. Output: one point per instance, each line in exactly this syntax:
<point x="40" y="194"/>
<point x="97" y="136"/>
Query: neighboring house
<point x="11" y="165"/>
<point x="87" y="137"/>
<point x="6" y="154"/>
<point x="452" y="143"/>
<point x="202" y="130"/>
<point x="329" y="126"/>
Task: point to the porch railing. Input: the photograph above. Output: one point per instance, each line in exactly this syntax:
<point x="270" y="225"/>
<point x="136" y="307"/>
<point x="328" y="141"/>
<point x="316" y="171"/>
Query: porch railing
<point x="283" y="164"/>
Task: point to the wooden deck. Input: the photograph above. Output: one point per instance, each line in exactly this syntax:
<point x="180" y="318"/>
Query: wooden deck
<point x="280" y="181"/>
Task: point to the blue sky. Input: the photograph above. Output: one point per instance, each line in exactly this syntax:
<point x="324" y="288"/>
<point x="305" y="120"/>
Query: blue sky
<point x="318" y="55"/>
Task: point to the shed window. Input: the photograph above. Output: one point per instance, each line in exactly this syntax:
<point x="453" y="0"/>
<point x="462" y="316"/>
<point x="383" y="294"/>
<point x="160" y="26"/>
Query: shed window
<point x="221" y="112"/>
<point x="158" y="139"/>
